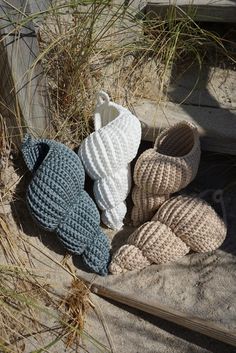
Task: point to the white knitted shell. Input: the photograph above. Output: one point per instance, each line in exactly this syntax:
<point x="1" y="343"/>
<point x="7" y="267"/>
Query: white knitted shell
<point x="106" y="155"/>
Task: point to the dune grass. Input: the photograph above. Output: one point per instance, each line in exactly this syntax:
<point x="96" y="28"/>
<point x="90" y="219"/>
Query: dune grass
<point x="88" y="45"/>
<point x="101" y="45"/>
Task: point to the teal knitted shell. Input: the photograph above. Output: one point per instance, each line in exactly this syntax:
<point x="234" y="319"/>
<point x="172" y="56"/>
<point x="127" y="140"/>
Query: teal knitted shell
<point x="58" y="202"/>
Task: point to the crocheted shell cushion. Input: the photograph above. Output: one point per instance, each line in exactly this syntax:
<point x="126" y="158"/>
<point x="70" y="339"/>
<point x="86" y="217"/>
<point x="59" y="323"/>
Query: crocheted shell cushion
<point x="106" y="155"/>
<point x="181" y="223"/>
<point x="57" y="201"/>
<point x="167" y="168"/>
<point x="145" y="205"/>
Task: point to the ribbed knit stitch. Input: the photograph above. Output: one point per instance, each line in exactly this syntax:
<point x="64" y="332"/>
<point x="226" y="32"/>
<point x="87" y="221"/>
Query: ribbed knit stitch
<point x="106" y="155"/>
<point x="167" y="168"/>
<point x="57" y="201"/>
<point x="194" y="221"/>
<point x="181" y="223"/>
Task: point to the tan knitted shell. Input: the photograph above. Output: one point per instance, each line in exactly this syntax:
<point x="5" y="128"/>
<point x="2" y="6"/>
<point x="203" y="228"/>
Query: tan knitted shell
<point x="182" y="223"/>
<point x="153" y="242"/>
<point x="145" y="205"/>
<point x="173" y="162"/>
<point x="194" y="221"/>
<point x="167" y="168"/>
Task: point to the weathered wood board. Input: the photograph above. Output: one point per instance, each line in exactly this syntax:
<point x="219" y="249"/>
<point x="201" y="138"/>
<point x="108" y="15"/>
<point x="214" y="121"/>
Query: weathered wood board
<point x="206" y="98"/>
<point x="39" y="9"/>
<point x="24" y="103"/>
<point x="205" y="95"/>
<point x="217" y="127"/>
<point x="200" y="10"/>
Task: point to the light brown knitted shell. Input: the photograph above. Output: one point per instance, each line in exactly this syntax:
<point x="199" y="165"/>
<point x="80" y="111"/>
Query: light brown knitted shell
<point x="153" y="242"/>
<point x="145" y="205"/>
<point x="173" y="162"/>
<point x="194" y="221"/>
<point x="181" y="223"/>
<point x="167" y="168"/>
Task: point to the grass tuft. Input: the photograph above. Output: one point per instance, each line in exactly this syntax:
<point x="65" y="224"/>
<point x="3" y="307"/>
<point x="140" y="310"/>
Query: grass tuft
<point x="76" y="304"/>
<point x="101" y="45"/>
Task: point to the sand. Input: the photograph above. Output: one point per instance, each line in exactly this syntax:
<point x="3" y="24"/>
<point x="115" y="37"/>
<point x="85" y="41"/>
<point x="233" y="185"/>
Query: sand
<point x="202" y="285"/>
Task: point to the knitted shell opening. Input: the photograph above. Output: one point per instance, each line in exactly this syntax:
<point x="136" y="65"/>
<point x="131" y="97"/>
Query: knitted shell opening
<point x="43" y="150"/>
<point x="178" y="142"/>
<point x="34" y="152"/>
<point x="105" y="115"/>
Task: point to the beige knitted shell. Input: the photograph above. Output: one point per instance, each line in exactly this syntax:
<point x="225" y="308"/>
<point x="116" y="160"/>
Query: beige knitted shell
<point x="145" y="205"/>
<point x="173" y="162"/>
<point x="153" y="242"/>
<point x="167" y="168"/>
<point x="182" y="223"/>
<point x="194" y="221"/>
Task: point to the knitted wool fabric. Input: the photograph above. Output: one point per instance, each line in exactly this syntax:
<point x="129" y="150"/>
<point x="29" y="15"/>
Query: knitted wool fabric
<point x="57" y="201"/>
<point x="145" y="205"/>
<point x="167" y="168"/>
<point x="106" y="155"/>
<point x="182" y="223"/>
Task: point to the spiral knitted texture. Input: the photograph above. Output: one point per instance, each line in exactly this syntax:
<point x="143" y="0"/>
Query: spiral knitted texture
<point x="167" y="168"/>
<point x="181" y="223"/>
<point x="57" y="201"/>
<point x="106" y="155"/>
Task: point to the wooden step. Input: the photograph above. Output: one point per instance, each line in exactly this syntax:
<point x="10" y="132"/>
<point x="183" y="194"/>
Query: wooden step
<point x="200" y="10"/>
<point x="217" y="126"/>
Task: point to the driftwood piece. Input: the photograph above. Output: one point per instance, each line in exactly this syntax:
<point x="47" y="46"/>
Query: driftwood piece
<point x="199" y="325"/>
<point x="23" y="97"/>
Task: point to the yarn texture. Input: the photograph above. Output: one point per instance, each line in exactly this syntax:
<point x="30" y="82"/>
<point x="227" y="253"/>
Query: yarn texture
<point x="165" y="169"/>
<point x="58" y="202"/>
<point x="106" y="155"/>
<point x="181" y="223"/>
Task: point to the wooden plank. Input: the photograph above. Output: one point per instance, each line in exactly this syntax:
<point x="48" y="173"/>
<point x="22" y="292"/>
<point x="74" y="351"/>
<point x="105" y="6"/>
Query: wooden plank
<point x="210" y="87"/>
<point x="24" y="102"/>
<point x="39" y="8"/>
<point x="200" y="10"/>
<point x="205" y="327"/>
<point x="217" y="127"/>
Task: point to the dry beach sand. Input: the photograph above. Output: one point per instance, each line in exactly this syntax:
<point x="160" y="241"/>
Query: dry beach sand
<point x="202" y="285"/>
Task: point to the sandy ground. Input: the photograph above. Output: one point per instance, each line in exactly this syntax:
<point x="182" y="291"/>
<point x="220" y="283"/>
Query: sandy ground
<point x="202" y="285"/>
<point x="135" y="332"/>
